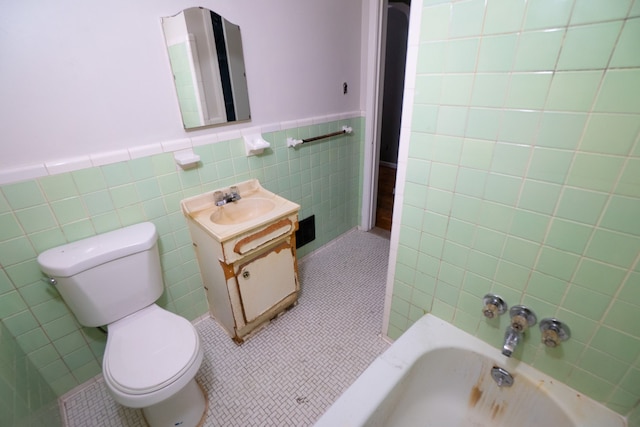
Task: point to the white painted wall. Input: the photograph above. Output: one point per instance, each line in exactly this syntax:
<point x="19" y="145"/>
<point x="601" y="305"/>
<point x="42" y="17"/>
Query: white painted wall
<point x="79" y="78"/>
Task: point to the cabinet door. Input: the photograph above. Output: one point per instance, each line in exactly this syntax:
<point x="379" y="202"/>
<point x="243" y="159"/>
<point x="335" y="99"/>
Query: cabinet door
<point x="266" y="280"/>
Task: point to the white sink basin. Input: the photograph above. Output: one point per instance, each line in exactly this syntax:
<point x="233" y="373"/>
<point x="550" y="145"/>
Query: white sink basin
<point x="242" y="211"/>
<point x="255" y="208"/>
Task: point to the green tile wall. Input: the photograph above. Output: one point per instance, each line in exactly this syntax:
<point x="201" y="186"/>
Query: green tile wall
<point x="324" y="178"/>
<point x="182" y="68"/>
<point x="27" y="399"/>
<point x="523" y="179"/>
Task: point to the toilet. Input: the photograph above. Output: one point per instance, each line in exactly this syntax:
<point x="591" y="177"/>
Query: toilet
<point x="152" y="355"/>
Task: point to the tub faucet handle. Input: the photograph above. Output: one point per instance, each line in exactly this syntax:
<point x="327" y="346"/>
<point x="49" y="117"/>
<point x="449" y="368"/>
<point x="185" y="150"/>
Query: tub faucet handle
<point x="522" y="318"/>
<point x="494" y="306"/>
<point x="553" y="332"/>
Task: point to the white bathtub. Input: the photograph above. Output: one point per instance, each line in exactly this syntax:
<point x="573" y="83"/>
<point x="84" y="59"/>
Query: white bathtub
<point x="436" y="375"/>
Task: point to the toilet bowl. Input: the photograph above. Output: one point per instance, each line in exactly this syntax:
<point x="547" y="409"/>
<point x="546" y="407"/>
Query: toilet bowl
<point x="152" y="355"/>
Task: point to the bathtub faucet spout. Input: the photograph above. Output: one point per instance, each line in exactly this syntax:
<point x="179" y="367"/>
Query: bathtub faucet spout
<point x="511" y="340"/>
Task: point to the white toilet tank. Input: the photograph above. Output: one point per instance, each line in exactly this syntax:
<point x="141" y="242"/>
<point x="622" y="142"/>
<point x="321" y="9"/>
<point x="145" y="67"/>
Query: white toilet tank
<point x="109" y="276"/>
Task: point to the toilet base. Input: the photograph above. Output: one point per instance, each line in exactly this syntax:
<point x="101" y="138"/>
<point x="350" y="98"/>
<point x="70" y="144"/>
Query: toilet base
<point x="186" y="408"/>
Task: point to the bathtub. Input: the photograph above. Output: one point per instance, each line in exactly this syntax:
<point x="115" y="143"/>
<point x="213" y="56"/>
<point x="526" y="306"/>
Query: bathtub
<point x="438" y="375"/>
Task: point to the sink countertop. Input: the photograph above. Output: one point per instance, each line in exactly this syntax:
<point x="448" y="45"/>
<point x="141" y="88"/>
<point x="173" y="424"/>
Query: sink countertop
<point x="201" y="207"/>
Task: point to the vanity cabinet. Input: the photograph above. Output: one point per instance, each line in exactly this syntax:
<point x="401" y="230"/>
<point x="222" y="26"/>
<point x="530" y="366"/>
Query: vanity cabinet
<point x="250" y="278"/>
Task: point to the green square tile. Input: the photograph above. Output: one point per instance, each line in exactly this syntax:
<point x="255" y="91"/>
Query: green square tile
<point x="32" y="340"/>
<point x="89" y="180"/>
<point x="36" y="219"/>
<point x="529" y="225"/>
<point x="538" y="50"/>
<point x="44" y="355"/>
<point x="549" y="165"/>
<point x="629" y="183"/>
<point x="582" y="328"/>
<point x="11" y="303"/>
<point x="595" y="172"/>
<point x="163" y="163"/>
<point x="602" y="365"/>
<point x="455" y="254"/>
<point x="587" y="11"/>
<point x="424" y="118"/>
<point x="489" y="241"/>
<point x="502" y="188"/>
<point x="622" y="215"/>
<point x="599" y="277"/>
<point x="573" y="90"/>
<point x="548" y="13"/>
<point x="568" y="236"/>
<point x="557" y="263"/>
<point x="9" y="227"/>
<point x="617" y="344"/>
<point x="470" y="182"/>
<point x="489" y="90"/>
<point x="477" y="153"/>
<point x="597" y="39"/>
<point x="24" y="273"/>
<point x="443" y="176"/>
<point x="35" y="293"/>
<point x="98" y="202"/>
<point x="23" y="195"/>
<point x="435" y="22"/>
<point x="561" y="130"/>
<point x="47" y="239"/>
<point x="626" y="51"/>
<point x="581" y="205"/>
<point x="456" y="89"/>
<point x="69" y="210"/>
<point x="497" y="53"/>
<point x="482" y="264"/>
<point x="148" y="189"/>
<point x="466" y="208"/>
<point x="620" y="92"/>
<point x="428" y="89"/>
<point x="504" y="16"/>
<point x="142" y="168"/>
<point x="630" y="290"/>
<point x="512" y="275"/>
<point x="520" y="251"/>
<point x="5" y="283"/>
<point x="461" y="55"/>
<point x="589" y="384"/>
<point x="421" y="146"/>
<point x="418" y="171"/>
<point x="4" y="205"/>
<point x="614" y="248"/>
<point x="495" y="216"/>
<point x="116" y="174"/>
<point x="585" y="302"/>
<point x="415" y="194"/>
<point x="431" y="245"/>
<point x="631" y="382"/>
<point x="539" y="196"/>
<point x="78" y="358"/>
<point x="451" y="120"/>
<point x="460" y="232"/>
<point x="483" y="123"/>
<point x="170" y="183"/>
<point x="528" y="90"/>
<point x="60" y="327"/>
<point x="15" y="251"/>
<point x="547" y="288"/>
<point x="510" y="159"/>
<point x="431" y="57"/>
<point x="78" y="230"/>
<point x="451" y="275"/>
<point x="446" y="149"/>
<point x="519" y="126"/>
<point x="412" y="217"/>
<point x="610" y="134"/>
<point x="58" y="187"/>
<point x="439" y="201"/>
<point x="466" y="18"/>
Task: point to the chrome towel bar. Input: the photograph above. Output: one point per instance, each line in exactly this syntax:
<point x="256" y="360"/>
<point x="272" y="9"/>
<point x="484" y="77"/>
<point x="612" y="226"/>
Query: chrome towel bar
<point x="291" y="142"/>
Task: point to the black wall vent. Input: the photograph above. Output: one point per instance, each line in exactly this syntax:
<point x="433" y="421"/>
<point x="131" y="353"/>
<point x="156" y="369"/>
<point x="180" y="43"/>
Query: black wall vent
<point x="306" y="231"/>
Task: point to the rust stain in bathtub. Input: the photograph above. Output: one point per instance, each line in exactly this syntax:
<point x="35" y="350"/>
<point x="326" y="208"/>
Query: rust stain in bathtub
<point x="475" y="395"/>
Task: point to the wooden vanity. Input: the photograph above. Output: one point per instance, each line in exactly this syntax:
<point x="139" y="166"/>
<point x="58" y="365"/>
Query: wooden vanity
<point x="249" y="267"/>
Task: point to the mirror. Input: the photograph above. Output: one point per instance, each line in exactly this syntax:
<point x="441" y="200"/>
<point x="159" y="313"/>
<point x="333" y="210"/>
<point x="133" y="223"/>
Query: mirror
<point x="207" y="63"/>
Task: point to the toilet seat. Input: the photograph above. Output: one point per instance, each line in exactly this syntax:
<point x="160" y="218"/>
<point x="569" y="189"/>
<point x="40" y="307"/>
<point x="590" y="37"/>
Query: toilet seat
<point x="149" y="350"/>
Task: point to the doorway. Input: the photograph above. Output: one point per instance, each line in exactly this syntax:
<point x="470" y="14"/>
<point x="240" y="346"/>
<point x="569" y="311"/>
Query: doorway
<point x="395" y="54"/>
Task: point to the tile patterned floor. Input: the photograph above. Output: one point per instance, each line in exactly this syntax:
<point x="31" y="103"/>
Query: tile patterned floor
<point x="290" y="372"/>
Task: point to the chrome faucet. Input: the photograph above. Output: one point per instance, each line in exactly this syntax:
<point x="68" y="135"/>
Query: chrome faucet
<point x="521" y="319"/>
<point x="221" y="198"/>
<point x="511" y="340"/>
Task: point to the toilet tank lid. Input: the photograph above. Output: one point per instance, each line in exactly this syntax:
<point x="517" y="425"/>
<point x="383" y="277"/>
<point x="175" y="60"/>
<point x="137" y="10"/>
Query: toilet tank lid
<point x="76" y="257"/>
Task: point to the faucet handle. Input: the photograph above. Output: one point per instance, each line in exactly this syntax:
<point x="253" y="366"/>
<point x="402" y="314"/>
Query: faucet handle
<point x="494" y="305"/>
<point x="522" y="317"/>
<point x="553" y="332"/>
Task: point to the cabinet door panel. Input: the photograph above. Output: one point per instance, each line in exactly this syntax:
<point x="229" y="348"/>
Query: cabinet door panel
<point x="266" y="280"/>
